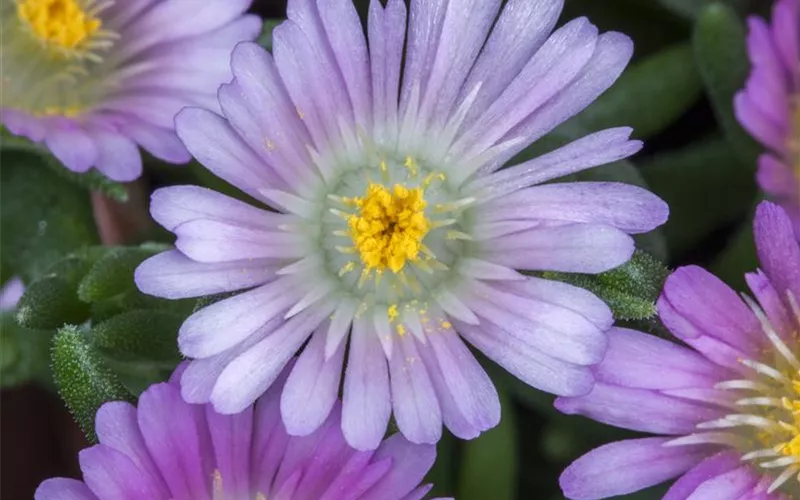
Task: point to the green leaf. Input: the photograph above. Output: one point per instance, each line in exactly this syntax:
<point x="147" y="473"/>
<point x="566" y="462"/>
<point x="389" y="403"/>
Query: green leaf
<point x="630" y="290"/>
<point x="721" y="53"/>
<point x="113" y="274"/>
<point x="443" y="473"/>
<point x="738" y="257"/>
<point x="42" y="216"/>
<point x="489" y="462"/>
<point x="265" y="38"/>
<point x="667" y="99"/>
<point x="25" y="353"/>
<point x="83" y="380"/>
<point x="92" y="180"/>
<point x="140" y="335"/>
<point x="52" y="301"/>
<point x="703" y="192"/>
<point x="49" y="303"/>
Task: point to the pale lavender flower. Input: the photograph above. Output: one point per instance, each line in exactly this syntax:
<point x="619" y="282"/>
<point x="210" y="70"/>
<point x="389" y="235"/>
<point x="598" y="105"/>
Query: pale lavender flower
<point x="10" y="293"/>
<point x="769" y="106"/>
<point x="726" y="407"/>
<point x="397" y="235"/>
<point x="91" y="79"/>
<point x="167" y="449"/>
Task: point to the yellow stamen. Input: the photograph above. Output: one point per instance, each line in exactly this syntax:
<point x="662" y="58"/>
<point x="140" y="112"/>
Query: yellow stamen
<point x="59" y="22"/>
<point x="392" y="312"/>
<point x="389" y="227"/>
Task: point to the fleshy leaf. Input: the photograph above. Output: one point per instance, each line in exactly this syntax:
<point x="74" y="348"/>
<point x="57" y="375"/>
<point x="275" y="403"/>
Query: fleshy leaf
<point x="630" y="290"/>
<point x="42" y="216"/>
<point x="489" y="462"/>
<point x="113" y="273"/>
<point x="721" y="52"/>
<point x="666" y="98"/>
<point x="703" y="192"/>
<point x="49" y="303"/>
<point x="139" y="334"/>
<point x="92" y="180"/>
<point x="82" y="378"/>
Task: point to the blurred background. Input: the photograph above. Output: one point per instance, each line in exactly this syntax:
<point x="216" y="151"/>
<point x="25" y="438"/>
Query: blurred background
<point x="689" y="61"/>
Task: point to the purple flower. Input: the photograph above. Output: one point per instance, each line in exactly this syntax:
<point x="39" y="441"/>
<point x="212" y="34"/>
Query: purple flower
<point x="769" y="106"/>
<point x="726" y="407"/>
<point x="10" y="294"/>
<point x="396" y="228"/>
<point x="91" y="79"/>
<point x="167" y="449"/>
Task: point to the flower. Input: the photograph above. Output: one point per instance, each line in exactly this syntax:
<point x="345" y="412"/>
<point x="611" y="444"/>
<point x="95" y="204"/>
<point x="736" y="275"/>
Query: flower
<point x="394" y="228"/>
<point x="769" y="106"/>
<point x="725" y="407"/>
<point x="91" y="79"/>
<point x="10" y="293"/>
<point x="167" y="449"/>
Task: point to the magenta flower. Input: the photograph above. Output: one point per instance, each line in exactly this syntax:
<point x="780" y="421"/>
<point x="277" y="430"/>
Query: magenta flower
<point x="726" y="408"/>
<point x="395" y="228"/>
<point x="167" y="449"/>
<point x="769" y="106"/>
<point x="91" y="79"/>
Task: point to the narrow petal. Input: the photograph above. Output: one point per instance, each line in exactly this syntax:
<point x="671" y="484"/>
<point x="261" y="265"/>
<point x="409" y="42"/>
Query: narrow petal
<point x="736" y="483"/>
<point x="249" y="375"/>
<point x="232" y="437"/>
<point x="709" y="468"/>
<point x="639" y="409"/>
<point x="778" y="249"/>
<point x="414" y="401"/>
<point x="572" y="248"/>
<point x="312" y="387"/>
<point x="73" y="147"/>
<point x="410" y="463"/>
<point x="520" y="31"/>
<point x="175" y="441"/>
<point x="223" y="324"/>
<point x="116" y="427"/>
<point x="626" y="207"/>
<point x="215" y="144"/>
<point x="172" y="275"/>
<point x="117" y="156"/>
<point x="366" y="405"/>
<point x="642" y="361"/>
<point x="625" y="467"/>
<point x="712" y="308"/>
<point x="207" y="240"/>
<point x="61" y="488"/>
<point x="527" y="364"/>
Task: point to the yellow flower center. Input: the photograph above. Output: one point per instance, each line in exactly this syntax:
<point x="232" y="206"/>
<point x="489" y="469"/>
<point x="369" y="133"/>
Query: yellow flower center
<point x="389" y="226"/>
<point x="58" y="22"/>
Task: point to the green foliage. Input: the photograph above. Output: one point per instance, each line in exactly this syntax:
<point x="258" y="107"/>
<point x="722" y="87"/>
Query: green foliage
<point x="140" y="335"/>
<point x="703" y="190"/>
<point x="49" y="303"/>
<point x="42" y="216"/>
<point x="113" y="273"/>
<point x="631" y="290"/>
<point x="25" y="353"/>
<point x="82" y="378"/>
<point x="92" y="180"/>
<point x="265" y="38"/>
<point x="489" y="462"/>
<point x="643" y="98"/>
<point x="720" y="49"/>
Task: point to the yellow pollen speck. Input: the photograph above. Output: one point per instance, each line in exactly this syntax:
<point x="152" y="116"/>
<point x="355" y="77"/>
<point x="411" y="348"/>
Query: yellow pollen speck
<point x="411" y="165"/>
<point x="389" y="227"/>
<point x="446" y="324"/>
<point x="59" y="22"/>
<point x="392" y="312"/>
<point x="401" y="330"/>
